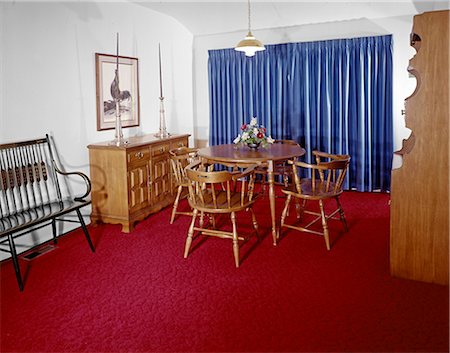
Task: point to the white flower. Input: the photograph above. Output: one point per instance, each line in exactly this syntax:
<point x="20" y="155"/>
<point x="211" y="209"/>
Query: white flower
<point x="253" y="122"/>
<point x="245" y="136"/>
<point x="255" y="131"/>
<point x="270" y="139"/>
<point x="237" y="139"/>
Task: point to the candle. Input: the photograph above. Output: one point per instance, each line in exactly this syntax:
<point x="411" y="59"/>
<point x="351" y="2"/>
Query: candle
<point x="160" y="72"/>
<point x="117" y="55"/>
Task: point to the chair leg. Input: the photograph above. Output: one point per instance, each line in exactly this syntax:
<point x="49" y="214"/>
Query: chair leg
<point x="175" y="203"/>
<point x="190" y="235"/>
<point x="264" y="185"/>
<point x="300" y="209"/>
<point x="341" y="214"/>
<point x="212" y="218"/>
<point x="285" y="209"/>
<point x="86" y="233"/>
<point x="235" y="240"/>
<point x="324" y="225"/>
<point x="12" y="247"/>
<point x="202" y="219"/>
<point x="285" y="180"/>
<point x="54" y="230"/>
<point x="255" y="222"/>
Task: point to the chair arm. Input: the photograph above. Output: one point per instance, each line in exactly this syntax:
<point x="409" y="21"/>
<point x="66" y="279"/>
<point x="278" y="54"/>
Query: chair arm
<point x="308" y="166"/>
<point x="86" y="179"/>
<point x="183" y="151"/>
<point x="249" y="170"/>
<point x="246" y="192"/>
<point x="321" y="154"/>
<point x="193" y="164"/>
<point x="329" y="155"/>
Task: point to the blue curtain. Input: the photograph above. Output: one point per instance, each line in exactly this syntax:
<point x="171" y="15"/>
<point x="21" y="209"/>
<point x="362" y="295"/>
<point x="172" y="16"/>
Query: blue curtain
<point x="334" y="96"/>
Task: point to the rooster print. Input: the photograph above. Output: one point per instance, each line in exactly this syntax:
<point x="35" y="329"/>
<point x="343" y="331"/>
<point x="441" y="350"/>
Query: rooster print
<point x="123" y="97"/>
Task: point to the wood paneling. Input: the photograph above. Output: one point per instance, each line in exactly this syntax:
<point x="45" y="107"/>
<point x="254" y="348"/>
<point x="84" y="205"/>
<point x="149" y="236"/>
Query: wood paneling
<point x="420" y="187"/>
<point x="132" y="181"/>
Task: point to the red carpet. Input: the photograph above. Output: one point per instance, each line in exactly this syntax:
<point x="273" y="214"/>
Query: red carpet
<point x="137" y="293"/>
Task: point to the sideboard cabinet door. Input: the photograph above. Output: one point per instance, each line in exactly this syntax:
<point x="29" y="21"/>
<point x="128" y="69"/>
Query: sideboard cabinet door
<point x="160" y="179"/>
<point x="138" y="187"/>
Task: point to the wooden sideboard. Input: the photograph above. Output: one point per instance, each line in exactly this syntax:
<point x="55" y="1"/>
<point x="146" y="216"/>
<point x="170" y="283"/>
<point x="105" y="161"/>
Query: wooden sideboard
<point x="130" y="182"/>
<point x="420" y="187"/>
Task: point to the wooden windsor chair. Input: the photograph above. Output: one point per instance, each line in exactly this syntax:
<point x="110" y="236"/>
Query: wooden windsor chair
<point x="219" y="192"/>
<point x="327" y="177"/>
<point x="180" y="158"/>
<point x="280" y="168"/>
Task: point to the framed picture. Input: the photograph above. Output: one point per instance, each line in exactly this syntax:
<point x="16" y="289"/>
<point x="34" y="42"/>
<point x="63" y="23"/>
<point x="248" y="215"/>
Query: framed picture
<point x="127" y="91"/>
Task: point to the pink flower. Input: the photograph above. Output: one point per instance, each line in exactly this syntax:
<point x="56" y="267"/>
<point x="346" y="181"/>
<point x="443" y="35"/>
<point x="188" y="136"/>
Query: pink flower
<point x="260" y="135"/>
<point x="263" y="130"/>
<point x="243" y="127"/>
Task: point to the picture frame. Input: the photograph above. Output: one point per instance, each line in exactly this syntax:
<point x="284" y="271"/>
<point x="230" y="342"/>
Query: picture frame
<point x="105" y="67"/>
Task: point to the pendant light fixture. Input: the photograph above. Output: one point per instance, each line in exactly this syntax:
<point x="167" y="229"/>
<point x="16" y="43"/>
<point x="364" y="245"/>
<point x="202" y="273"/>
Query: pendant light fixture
<point x="249" y="45"/>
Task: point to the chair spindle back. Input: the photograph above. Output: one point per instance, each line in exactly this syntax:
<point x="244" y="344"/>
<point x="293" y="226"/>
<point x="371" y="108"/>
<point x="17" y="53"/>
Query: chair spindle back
<point x="326" y="176"/>
<point x="218" y="188"/>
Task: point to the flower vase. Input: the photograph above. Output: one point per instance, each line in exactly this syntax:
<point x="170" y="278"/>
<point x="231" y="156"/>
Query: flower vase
<point x="253" y="146"/>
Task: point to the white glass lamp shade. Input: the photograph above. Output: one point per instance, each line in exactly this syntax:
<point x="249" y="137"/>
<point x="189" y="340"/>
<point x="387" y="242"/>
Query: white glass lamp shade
<point x="250" y="45"/>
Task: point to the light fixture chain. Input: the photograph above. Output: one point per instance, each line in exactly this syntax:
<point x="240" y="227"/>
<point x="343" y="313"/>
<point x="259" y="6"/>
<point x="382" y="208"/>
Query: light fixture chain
<point x="249" y="27"/>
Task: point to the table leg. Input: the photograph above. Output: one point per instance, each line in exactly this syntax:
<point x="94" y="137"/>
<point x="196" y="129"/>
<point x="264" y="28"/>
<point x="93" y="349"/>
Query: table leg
<point x="271" y="181"/>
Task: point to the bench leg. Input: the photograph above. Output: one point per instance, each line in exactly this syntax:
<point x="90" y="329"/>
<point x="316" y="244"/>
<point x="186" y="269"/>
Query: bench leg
<point x="12" y="247"/>
<point x="86" y="233"/>
<point x="54" y="230"/>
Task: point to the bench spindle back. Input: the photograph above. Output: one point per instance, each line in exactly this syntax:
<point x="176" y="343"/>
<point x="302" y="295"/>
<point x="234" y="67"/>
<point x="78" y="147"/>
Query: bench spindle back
<point x="26" y="172"/>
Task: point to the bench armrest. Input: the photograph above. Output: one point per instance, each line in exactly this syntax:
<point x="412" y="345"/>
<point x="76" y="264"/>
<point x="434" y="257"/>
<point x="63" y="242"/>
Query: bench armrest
<point x="86" y="179"/>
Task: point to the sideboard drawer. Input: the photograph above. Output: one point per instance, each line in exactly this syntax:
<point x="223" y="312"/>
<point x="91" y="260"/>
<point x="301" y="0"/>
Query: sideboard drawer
<point x="160" y="149"/>
<point x="138" y="155"/>
<point x="178" y="144"/>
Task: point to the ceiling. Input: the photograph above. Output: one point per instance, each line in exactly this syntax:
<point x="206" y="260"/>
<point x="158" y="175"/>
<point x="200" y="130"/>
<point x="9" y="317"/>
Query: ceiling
<point x="211" y="17"/>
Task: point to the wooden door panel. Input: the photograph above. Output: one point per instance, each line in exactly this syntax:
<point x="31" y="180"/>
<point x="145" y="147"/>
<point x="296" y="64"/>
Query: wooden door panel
<point x="138" y="188"/>
<point x="160" y="179"/>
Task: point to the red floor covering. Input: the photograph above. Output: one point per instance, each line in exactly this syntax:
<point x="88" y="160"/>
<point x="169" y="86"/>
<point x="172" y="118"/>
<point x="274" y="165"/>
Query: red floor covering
<point x="136" y="293"/>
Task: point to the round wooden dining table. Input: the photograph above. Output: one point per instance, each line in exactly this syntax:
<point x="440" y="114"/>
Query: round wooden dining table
<point x="243" y="155"/>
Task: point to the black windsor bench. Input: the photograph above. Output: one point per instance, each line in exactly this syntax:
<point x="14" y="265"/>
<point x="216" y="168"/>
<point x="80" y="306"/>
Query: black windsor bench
<point x="30" y="194"/>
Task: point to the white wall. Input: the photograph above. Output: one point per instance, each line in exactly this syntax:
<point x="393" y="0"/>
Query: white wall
<point x="47" y="72"/>
<point x="2" y="81"/>
<point x="399" y="27"/>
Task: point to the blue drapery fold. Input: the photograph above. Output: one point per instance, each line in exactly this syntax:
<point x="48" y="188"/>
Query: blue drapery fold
<point x="334" y="96"/>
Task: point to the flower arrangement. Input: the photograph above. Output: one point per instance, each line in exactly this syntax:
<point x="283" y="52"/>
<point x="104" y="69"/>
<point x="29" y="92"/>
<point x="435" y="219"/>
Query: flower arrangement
<point x="253" y="135"/>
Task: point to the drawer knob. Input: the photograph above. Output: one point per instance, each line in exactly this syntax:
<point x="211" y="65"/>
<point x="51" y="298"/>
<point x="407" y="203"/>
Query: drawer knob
<point x="161" y="149"/>
<point x="139" y="155"/>
<point x="180" y="144"/>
